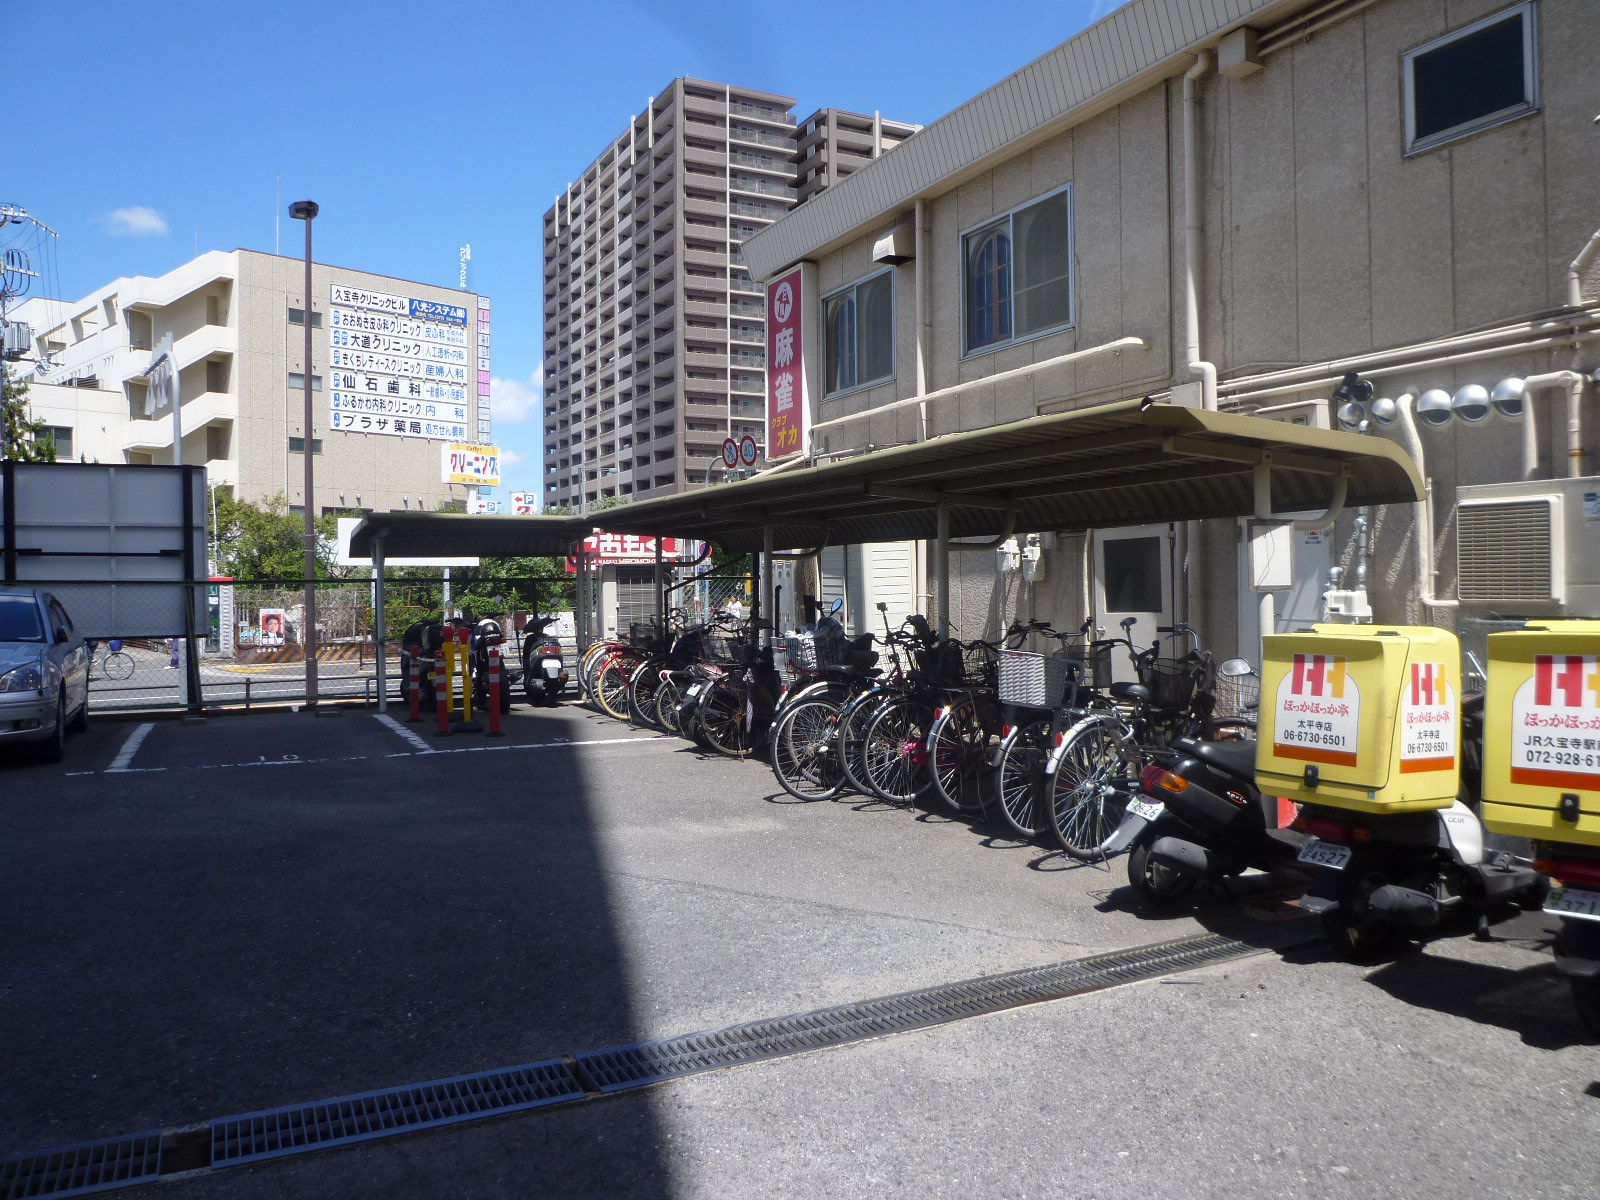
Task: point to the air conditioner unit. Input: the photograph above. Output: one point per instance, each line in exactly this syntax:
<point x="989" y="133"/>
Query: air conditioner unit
<point x="1529" y="548"/>
<point x="1313" y="414"/>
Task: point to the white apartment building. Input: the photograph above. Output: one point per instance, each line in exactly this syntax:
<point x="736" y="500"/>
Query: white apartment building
<point x="399" y="369"/>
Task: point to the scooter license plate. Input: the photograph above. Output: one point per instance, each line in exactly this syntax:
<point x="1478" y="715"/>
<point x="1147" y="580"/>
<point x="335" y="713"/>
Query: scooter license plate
<point x="1571" y="902"/>
<point x="551" y="667"/>
<point x="1147" y="809"/>
<point x="1325" y="854"/>
<point x="694" y="690"/>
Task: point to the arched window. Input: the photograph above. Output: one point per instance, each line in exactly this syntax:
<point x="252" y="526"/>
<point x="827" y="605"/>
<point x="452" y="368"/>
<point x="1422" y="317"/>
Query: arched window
<point x="841" y="343"/>
<point x="988" y="287"/>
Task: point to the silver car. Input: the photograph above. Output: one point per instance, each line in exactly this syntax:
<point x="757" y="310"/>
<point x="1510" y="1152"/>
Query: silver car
<point x="44" y="671"/>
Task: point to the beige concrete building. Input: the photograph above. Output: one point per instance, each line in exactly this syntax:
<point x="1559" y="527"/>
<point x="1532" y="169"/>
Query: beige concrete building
<point x="832" y="143"/>
<point x="1232" y="204"/>
<point x="395" y="374"/>
<point x="654" y="332"/>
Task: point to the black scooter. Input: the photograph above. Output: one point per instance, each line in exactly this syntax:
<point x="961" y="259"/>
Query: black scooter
<point x="1213" y="822"/>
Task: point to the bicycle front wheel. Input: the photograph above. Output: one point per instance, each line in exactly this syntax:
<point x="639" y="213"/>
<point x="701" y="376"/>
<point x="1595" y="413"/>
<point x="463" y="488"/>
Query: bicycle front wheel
<point x="1088" y="792"/>
<point x="851" y="734"/>
<point x="803" y="754"/>
<point x="722" y="719"/>
<point x="643" y="685"/>
<point x="895" y="751"/>
<point x="1019" y="781"/>
<point x="668" y="696"/>
<point x="611" y="684"/>
<point x="118" y="665"/>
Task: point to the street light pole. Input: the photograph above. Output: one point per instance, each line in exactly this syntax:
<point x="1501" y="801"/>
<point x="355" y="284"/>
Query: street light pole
<point x="306" y="210"/>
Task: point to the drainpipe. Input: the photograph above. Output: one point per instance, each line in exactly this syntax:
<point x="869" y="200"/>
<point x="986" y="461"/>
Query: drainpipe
<point x="1206" y="371"/>
<point x="920" y="279"/>
<point x="1422" y="510"/>
<point x="1573" y="382"/>
<point x="1575" y="271"/>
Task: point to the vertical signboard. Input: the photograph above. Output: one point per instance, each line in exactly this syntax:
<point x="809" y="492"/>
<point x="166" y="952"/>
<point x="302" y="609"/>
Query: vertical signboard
<point x="790" y="357"/>
<point x="484" y="425"/>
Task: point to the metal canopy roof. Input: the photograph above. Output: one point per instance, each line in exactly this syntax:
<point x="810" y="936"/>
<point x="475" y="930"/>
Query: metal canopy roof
<point x="453" y="535"/>
<point x="1118" y="464"/>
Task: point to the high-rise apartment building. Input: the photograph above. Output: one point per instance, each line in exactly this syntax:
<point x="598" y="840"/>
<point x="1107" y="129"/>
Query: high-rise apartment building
<point x="832" y="143"/>
<point x="654" y="337"/>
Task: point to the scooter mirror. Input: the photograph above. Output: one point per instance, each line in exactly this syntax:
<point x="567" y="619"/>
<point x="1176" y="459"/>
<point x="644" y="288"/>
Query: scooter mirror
<point x="1236" y="667"/>
<point x="883" y="606"/>
<point x="1128" y="623"/>
<point x="838" y="603"/>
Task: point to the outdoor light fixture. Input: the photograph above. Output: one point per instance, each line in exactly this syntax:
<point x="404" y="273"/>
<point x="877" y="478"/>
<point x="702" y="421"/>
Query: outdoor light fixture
<point x="1352" y="395"/>
<point x="1384" y="410"/>
<point x="1434" y="407"/>
<point x="1471" y="403"/>
<point x="306" y="210"/>
<point x="1509" y="398"/>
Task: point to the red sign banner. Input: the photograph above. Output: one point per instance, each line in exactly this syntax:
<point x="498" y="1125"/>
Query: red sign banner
<point x="631" y="549"/>
<point x="788" y="405"/>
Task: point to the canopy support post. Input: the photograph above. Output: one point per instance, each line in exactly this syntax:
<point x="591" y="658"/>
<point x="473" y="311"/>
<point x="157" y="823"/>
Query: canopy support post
<point x="766" y="598"/>
<point x="661" y="597"/>
<point x="380" y="629"/>
<point x="941" y="567"/>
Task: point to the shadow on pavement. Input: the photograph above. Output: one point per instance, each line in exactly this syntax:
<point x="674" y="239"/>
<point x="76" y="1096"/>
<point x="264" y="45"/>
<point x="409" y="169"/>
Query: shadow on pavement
<point x="191" y="944"/>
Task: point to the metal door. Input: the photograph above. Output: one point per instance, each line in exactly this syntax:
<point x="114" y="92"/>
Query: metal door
<point x="1134" y="570"/>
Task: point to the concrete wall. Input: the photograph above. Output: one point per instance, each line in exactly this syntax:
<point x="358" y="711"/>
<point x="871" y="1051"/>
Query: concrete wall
<point x="1322" y="240"/>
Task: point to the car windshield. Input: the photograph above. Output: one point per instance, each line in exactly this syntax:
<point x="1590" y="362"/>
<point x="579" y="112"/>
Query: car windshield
<point x="19" y="620"/>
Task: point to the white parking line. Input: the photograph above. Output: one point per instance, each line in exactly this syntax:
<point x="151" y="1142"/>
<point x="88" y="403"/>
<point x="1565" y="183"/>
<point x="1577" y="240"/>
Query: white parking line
<point x="410" y="735"/>
<point x="129" y="749"/>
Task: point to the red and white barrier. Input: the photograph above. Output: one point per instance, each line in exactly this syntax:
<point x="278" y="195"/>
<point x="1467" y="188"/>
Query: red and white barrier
<point x="494" y="692"/>
<point x="441" y="691"/>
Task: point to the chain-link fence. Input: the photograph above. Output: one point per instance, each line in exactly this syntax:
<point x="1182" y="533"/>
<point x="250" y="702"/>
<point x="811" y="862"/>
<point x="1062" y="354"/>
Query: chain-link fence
<point x="244" y="644"/>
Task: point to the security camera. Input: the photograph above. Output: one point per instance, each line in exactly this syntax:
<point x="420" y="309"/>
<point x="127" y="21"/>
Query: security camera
<point x="1433" y="407"/>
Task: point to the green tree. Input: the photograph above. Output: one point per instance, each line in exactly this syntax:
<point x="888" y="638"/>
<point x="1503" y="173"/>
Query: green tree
<point x="22" y="437"/>
<point x="267" y="541"/>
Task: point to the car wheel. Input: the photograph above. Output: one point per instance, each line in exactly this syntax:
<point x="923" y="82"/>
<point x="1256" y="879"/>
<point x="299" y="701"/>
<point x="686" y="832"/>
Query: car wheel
<point x="54" y="749"/>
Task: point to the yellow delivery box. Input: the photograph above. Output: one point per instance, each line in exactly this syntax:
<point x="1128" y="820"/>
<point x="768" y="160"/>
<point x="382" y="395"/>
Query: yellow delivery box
<point x="1364" y="717"/>
<point x="1541" y="733"/>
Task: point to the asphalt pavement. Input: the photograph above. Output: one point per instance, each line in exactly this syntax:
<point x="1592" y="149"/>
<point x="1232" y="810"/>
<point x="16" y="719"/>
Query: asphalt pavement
<point x="274" y="908"/>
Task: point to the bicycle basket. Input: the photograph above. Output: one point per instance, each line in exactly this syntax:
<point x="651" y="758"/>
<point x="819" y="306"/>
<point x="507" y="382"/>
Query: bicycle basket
<point x="724" y="647"/>
<point x="1033" y="680"/>
<point x="815" y="652"/>
<point x="1172" y="681"/>
<point x="641" y="633"/>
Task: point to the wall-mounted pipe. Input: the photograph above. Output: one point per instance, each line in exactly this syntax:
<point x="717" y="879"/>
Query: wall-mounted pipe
<point x="1206" y="371"/>
<point x="1422" y="510"/>
<point x="1577" y="267"/>
<point x="1573" y="382"/>
<point x="994" y="543"/>
<point x="1263" y="492"/>
<point x="1504" y="338"/>
<point x="1124" y="343"/>
<point x="1570" y="339"/>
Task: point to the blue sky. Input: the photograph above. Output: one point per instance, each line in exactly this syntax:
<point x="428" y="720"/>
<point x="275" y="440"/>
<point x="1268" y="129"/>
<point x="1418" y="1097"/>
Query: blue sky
<point x="150" y="130"/>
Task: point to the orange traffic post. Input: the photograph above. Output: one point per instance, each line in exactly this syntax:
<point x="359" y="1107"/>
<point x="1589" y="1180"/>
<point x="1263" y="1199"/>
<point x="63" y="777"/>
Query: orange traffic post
<point x="464" y="670"/>
<point x="494" y="692"/>
<point x="414" y="672"/>
<point x="441" y="692"/>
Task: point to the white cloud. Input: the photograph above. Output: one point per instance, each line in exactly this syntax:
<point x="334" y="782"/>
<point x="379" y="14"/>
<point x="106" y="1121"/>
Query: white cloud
<point x="509" y="457"/>
<point x="136" y="221"/>
<point x="516" y="400"/>
<point x="1100" y="8"/>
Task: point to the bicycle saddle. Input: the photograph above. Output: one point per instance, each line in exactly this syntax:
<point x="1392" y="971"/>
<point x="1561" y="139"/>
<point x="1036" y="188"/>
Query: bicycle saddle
<point x="1237" y="758"/>
<point x="1133" y="693"/>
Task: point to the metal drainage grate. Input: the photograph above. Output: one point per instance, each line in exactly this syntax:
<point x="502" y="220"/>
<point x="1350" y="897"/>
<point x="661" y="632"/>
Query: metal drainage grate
<point x="82" y="1169"/>
<point x="269" y="1134"/>
<point x="251" y="1137"/>
<point x="624" y="1067"/>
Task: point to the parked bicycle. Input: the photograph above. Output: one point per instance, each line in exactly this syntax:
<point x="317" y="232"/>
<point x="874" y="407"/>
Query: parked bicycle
<point x="116" y="665"/>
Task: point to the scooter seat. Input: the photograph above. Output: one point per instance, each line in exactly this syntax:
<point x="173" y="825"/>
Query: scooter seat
<point x="1235" y="757"/>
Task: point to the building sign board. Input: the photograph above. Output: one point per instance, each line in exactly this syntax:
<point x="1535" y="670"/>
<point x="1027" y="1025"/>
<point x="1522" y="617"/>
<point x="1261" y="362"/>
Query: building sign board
<point x="468" y="463"/>
<point x="788" y="392"/>
<point x="403" y="366"/>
